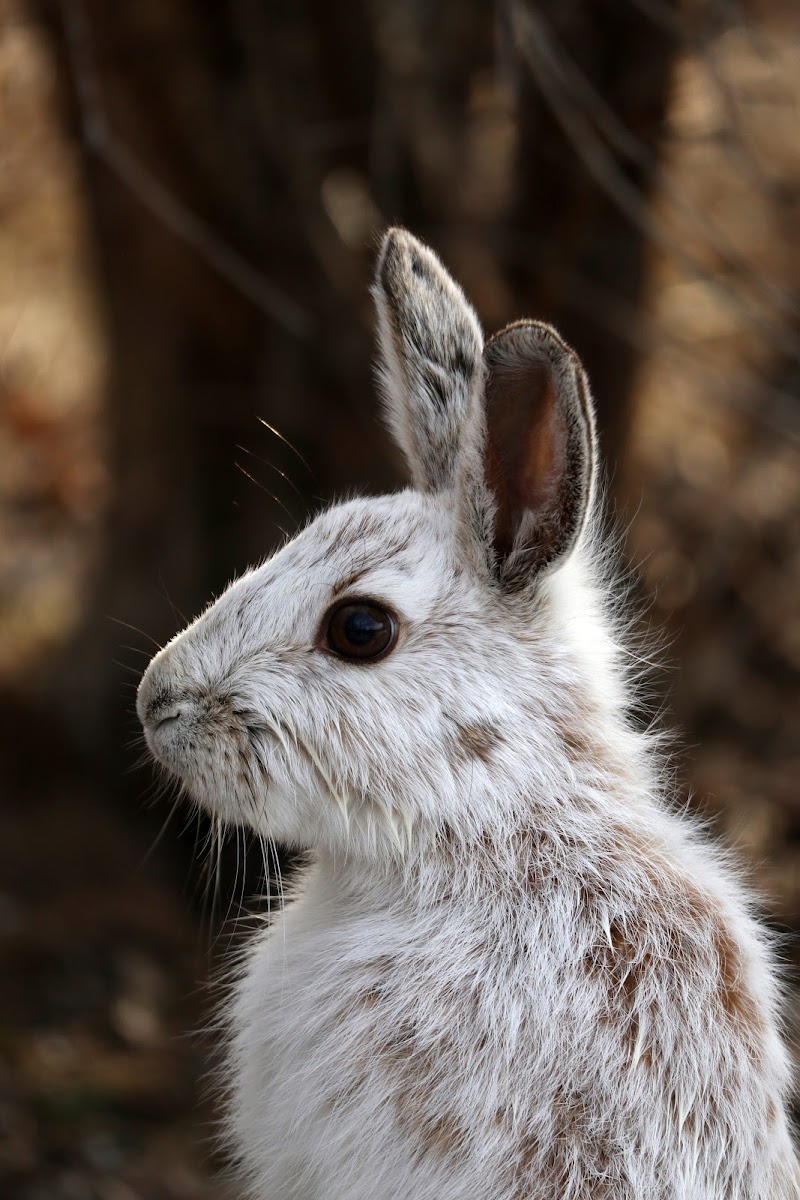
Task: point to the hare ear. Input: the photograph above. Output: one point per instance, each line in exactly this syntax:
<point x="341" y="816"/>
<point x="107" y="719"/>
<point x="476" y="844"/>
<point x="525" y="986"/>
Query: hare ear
<point x="431" y="363"/>
<point x="540" y="455"/>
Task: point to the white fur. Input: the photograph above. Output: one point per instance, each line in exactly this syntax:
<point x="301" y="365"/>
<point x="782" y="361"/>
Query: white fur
<point x="512" y="971"/>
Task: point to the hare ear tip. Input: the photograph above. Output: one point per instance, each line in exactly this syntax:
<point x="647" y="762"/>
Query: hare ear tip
<point x="395" y="234"/>
<point x="387" y="252"/>
<point x="526" y="331"/>
<point x="400" y="256"/>
<point x="392" y="240"/>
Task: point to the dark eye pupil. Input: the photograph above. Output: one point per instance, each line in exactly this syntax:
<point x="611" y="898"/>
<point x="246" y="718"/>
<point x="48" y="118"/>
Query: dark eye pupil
<point x="361" y="627"/>
<point x="360" y="631"/>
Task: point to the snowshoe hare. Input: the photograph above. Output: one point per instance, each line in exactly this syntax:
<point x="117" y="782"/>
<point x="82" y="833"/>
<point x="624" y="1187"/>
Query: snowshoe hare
<point x="512" y="971"/>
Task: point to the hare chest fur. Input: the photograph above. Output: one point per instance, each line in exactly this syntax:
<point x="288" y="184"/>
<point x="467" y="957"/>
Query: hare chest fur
<point x="548" y="1040"/>
<point x="511" y="971"/>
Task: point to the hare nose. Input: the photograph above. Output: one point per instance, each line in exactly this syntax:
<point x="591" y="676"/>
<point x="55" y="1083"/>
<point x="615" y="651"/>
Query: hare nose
<point x="160" y="701"/>
<point x="167" y="715"/>
<point x="164" y="708"/>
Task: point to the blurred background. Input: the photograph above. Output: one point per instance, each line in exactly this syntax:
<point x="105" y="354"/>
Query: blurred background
<point x="190" y="197"/>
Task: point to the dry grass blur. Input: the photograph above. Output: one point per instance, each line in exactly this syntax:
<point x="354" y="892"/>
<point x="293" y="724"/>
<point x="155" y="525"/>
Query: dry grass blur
<point x="98" y="1092"/>
<point x="715" y="446"/>
<point x="52" y="473"/>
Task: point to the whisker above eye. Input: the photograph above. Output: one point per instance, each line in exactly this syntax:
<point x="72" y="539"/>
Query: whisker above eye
<point x="135" y="628"/>
<point x="259" y="484"/>
<point x="286" y="442"/>
<point x="272" y="467"/>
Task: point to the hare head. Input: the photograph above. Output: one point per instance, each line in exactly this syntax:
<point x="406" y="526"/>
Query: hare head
<point x="407" y="664"/>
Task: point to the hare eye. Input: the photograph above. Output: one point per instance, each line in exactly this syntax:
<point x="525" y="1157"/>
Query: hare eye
<point x="360" y="631"/>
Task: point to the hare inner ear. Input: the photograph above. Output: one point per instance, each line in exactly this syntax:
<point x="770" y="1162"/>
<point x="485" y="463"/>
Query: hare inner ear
<point x="431" y="364"/>
<point x="540" y="448"/>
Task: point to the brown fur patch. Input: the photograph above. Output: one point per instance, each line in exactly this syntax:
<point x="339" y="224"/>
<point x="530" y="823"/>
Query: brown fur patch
<point x="350" y="1087"/>
<point x="378" y="970"/>
<point x="572" y="1137"/>
<point x="440" y="1135"/>
<point x="502" y="1118"/>
<point x="735" y="996"/>
<point x="587" y="751"/>
<point x="416" y="1068"/>
<point x="698" y="914"/>
<point x="628" y="954"/>
<point x="478" y="740"/>
<point x="348" y="582"/>
<point x="674" y="912"/>
<point x="622" y="969"/>
<point x="580" y="747"/>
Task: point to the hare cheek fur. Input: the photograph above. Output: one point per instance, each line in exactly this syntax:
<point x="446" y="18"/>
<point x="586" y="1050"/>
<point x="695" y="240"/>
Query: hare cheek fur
<point x="512" y="971"/>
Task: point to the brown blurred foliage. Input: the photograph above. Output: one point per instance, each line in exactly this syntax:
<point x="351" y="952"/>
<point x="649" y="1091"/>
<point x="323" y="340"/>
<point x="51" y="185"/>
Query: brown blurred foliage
<point x="190" y="198"/>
